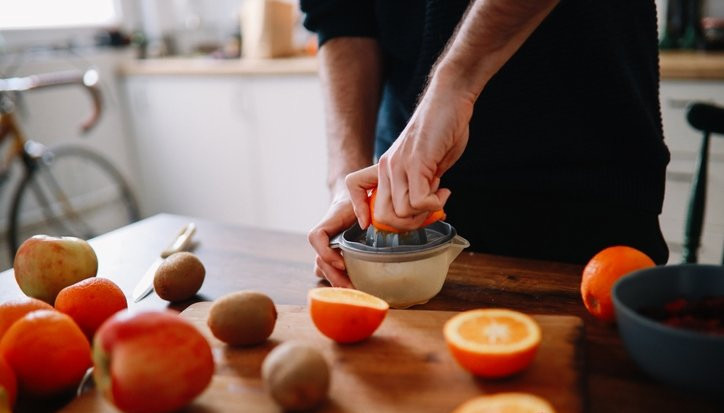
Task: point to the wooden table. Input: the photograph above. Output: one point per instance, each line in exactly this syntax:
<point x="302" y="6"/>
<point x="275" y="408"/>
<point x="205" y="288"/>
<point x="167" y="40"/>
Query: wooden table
<point x="280" y="265"/>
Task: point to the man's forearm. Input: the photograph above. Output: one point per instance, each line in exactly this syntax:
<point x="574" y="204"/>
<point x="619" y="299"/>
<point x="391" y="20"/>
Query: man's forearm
<point x="350" y="72"/>
<point x="491" y="32"/>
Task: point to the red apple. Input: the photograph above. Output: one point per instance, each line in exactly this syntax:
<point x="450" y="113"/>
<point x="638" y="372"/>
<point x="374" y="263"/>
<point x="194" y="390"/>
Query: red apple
<point x="151" y="362"/>
<point x="44" y="265"/>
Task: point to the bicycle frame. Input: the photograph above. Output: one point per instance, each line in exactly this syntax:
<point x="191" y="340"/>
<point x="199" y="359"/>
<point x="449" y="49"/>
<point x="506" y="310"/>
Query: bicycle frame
<point x="9" y="124"/>
<point x="87" y="79"/>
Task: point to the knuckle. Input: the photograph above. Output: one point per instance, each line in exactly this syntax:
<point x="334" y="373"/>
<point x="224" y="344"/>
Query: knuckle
<point x="422" y="204"/>
<point x="313" y="235"/>
<point x="402" y="210"/>
<point x="319" y="262"/>
<point x="384" y="160"/>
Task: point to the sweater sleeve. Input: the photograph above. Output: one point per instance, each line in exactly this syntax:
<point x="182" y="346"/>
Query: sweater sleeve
<point x="339" y="18"/>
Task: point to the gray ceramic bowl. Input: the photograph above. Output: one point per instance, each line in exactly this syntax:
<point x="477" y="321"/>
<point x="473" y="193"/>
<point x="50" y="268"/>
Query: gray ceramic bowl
<point x="683" y="358"/>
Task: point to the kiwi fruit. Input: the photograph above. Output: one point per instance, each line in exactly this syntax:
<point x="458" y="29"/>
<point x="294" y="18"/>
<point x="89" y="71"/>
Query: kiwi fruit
<point x="179" y="277"/>
<point x="296" y="376"/>
<point x="242" y="318"/>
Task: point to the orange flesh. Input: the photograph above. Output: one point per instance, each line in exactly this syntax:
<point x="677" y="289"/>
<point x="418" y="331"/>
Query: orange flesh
<point x="494" y="342"/>
<point x="494" y="330"/>
<point x="506" y="403"/>
<point x="349" y="297"/>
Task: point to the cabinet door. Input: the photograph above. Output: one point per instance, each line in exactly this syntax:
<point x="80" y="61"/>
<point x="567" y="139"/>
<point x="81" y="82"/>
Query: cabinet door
<point x="684" y="143"/>
<point x="195" y="146"/>
<point x="292" y="151"/>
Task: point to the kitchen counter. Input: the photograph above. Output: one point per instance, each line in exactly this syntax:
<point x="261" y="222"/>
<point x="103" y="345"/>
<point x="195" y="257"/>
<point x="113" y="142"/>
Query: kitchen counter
<point x="280" y="264"/>
<point x="691" y="65"/>
<point x="213" y="67"/>
<point x="674" y="65"/>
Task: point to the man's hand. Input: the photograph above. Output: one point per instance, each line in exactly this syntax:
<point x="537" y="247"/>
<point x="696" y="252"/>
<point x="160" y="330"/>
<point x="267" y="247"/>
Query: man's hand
<point x="437" y="133"/>
<point x="409" y="172"/>
<point x="329" y="263"/>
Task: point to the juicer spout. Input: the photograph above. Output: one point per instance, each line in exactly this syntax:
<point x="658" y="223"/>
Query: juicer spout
<point x="457" y="246"/>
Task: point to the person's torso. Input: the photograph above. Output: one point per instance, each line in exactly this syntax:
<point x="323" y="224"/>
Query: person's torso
<point x="576" y="105"/>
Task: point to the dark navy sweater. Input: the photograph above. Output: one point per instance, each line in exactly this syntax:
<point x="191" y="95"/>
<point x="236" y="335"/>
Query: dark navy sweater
<point x="574" y="114"/>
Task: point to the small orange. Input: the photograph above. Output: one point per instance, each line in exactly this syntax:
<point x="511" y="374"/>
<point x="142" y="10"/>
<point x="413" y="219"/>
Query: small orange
<point x="8" y="387"/>
<point x="432" y="217"/>
<point x="506" y="403"/>
<point x="47" y="351"/>
<point x="346" y="315"/>
<point x="90" y="302"/>
<point x="601" y="273"/>
<point x="492" y="342"/>
<point x="11" y="311"/>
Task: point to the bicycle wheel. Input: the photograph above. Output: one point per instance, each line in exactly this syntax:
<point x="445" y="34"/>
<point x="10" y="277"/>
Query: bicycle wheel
<point x="70" y="191"/>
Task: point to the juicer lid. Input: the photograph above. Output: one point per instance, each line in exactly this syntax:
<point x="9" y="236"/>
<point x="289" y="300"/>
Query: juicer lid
<point x="423" y="239"/>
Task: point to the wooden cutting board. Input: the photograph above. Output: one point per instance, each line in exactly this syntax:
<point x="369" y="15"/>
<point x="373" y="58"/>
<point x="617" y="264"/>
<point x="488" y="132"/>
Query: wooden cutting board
<point x="404" y="367"/>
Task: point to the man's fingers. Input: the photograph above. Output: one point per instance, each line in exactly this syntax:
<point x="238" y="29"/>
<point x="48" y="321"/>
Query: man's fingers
<point x="319" y="239"/>
<point x="357" y="184"/>
<point x="399" y="191"/>
<point x="318" y="271"/>
<point x="383" y="202"/>
<point x="424" y="192"/>
<point x="335" y="277"/>
<point x="443" y="194"/>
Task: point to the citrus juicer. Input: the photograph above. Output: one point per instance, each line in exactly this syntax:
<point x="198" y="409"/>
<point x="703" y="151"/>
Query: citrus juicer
<point x="403" y="269"/>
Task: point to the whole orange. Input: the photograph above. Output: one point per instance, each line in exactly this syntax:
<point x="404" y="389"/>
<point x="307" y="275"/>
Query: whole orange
<point x="8" y="387"/>
<point x="91" y="302"/>
<point x="11" y="311"/>
<point x="601" y="273"/>
<point x="47" y="351"/>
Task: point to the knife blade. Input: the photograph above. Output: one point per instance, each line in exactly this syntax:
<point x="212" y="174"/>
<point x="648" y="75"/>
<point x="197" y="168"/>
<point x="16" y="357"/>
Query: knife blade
<point x="180" y="243"/>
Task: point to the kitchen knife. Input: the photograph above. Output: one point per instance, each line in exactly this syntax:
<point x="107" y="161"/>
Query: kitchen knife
<point x="180" y="243"/>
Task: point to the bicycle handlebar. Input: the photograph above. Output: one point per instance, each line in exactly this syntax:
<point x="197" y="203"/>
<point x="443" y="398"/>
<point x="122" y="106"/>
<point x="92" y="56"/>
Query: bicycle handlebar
<point x="88" y="79"/>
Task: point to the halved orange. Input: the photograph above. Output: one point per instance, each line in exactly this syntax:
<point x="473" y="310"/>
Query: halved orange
<point x="346" y="315"/>
<point x="492" y="342"/>
<point x="506" y="403"/>
<point x="432" y="217"/>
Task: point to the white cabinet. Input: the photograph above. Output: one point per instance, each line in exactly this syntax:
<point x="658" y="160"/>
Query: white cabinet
<point x="684" y="143"/>
<point x="239" y="149"/>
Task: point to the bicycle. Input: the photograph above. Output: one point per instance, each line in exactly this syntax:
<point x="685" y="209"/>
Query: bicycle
<point x="66" y="189"/>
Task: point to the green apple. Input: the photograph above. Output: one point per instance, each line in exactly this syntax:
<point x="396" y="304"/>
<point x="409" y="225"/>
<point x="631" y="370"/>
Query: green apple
<point x="44" y="265"/>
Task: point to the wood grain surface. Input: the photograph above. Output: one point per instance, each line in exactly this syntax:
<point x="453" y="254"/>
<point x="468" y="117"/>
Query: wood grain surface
<point x="281" y="265"/>
<point x="404" y="367"/>
<point x="691" y="65"/>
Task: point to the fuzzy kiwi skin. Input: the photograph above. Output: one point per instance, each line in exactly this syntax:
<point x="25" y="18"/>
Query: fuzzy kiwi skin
<point x="296" y="375"/>
<point x="179" y="277"/>
<point x="242" y="318"/>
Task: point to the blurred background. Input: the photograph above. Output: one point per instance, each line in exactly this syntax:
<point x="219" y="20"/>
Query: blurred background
<point x="212" y="108"/>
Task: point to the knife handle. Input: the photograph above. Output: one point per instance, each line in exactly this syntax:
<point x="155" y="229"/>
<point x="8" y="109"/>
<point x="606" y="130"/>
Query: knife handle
<point x="181" y="242"/>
